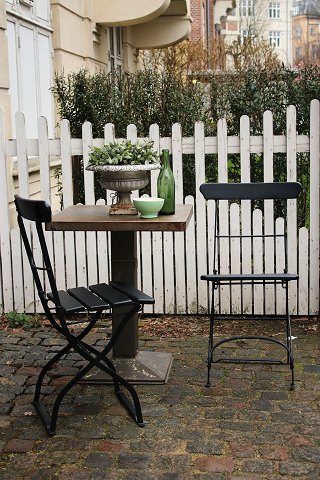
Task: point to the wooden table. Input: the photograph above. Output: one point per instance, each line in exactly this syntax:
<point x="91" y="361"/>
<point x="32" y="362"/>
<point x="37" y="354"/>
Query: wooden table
<point x="136" y="366"/>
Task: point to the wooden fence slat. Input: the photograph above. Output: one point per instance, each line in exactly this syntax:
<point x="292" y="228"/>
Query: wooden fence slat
<point x="69" y="237"/>
<point x="200" y="214"/>
<point x="154" y="136"/>
<point x="303" y="270"/>
<point x="158" y="288"/>
<point x="103" y="255"/>
<point x="314" y="298"/>
<point x="280" y="266"/>
<point x="257" y="251"/>
<point x="224" y="290"/>
<point x="44" y="156"/>
<point x="6" y="299"/>
<point x="179" y="237"/>
<point x="146" y="267"/>
<point x="235" y="256"/>
<point x="191" y="271"/>
<point x="292" y="205"/>
<point x="168" y="271"/>
<point x="22" y="161"/>
<point x="91" y="237"/>
<point x="17" y="271"/>
<point x="268" y="151"/>
<point x="246" y="210"/>
<point x="59" y="261"/>
<point x="109" y="136"/>
<point x="211" y="212"/>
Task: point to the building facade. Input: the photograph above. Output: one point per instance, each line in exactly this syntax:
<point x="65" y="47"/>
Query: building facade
<point x="234" y="19"/>
<point x="306" y="32"/>
<point x="40" y="37"/>
<point x="270" y="20"/>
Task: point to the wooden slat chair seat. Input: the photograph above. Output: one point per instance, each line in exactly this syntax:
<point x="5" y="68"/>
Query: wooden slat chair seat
<point x="60" y="306"/>
<point x="221" y="194"/>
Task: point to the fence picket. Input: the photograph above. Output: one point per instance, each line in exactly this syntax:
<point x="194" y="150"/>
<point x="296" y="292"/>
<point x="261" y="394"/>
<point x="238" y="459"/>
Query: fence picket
<point x="191" y="270"/>
<point x="66" y="163"/>
<point x="314" y="207"/>
<point x="179" y="237"/>
<point x="17" y="270"/>
<point x="268" y="151"/>
<point x="22" y="161"/>
<point x="235" y="255"/>
<point x="200" y="212"/>
<point x="280" y="266"/>
<point x="292" y="204"/>
<point x="246" y="210"/>
<point x="257" y="259"/>
<point x="168" y="272"/>
<point x="44" y="156"/>
<point x="103" y="256"/>
<point x="90" y="237"/>
<point x="303" y="270"/>
<point x="6" y="272"/>
<point x="224" y="291"/>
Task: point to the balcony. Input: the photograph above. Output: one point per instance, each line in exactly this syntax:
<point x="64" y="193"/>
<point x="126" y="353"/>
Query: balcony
<point x="151" y="24"/>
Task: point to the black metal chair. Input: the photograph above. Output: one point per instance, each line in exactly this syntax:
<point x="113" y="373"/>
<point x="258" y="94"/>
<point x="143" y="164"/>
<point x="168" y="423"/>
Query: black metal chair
<point x="61" y="306"/>
<point x="221" y="194"/>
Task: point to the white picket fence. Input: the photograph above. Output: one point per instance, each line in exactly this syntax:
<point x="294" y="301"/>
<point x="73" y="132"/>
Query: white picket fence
<point x="170" y="264"/>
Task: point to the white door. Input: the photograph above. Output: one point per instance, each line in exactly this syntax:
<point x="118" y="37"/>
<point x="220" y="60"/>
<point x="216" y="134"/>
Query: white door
<point x="30" y="71"/>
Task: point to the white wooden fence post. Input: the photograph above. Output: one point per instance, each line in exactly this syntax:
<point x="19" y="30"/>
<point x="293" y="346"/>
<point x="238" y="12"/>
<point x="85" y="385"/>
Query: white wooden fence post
<point x="246" y="217"/>
<point x="314" y="207"/>
<point x="268" y="152"/>
<point x="6" y="297"/>
<point x="292" y="205"/>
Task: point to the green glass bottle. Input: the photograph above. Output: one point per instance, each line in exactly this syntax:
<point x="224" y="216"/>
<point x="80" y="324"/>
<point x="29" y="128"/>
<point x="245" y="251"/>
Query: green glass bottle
<point x="166" y="185"/>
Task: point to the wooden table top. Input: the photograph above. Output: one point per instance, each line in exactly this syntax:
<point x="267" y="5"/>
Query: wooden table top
<point x="97" y="218"/>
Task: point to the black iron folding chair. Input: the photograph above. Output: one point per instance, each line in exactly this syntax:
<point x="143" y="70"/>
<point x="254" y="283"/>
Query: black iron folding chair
<point x="60" y="305"/>
<point x="223" y="278"/>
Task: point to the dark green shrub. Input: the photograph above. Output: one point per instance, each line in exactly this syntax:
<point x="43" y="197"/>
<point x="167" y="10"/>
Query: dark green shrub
<point x="167" y="97"/>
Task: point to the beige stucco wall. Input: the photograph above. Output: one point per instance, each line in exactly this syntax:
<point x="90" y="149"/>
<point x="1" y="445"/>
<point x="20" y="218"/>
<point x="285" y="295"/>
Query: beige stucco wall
<point x="77" y="41"/>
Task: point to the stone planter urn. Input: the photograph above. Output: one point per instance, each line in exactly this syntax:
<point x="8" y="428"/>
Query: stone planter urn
<point x="124" y="166"/>
<point x="123" y="179"/>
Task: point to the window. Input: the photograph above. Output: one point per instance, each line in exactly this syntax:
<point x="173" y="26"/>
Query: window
<point x="298" y="53"/>
<point x="246" y="8"/>
<point x="298" y="32"/>
<point x="315" y="51"/>
<point x="312" y="31"/>
<point x="246" y="33"/>
<point x="115" y="39"/>
<point x="274" y="39"/>
<point x="274" y="10"/>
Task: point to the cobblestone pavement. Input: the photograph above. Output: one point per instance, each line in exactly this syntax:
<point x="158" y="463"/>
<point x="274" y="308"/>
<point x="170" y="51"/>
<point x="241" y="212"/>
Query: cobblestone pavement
<point x="247" y="426"/>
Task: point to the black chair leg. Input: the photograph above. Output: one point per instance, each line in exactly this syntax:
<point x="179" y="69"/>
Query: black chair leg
<point x="210" y="351"/>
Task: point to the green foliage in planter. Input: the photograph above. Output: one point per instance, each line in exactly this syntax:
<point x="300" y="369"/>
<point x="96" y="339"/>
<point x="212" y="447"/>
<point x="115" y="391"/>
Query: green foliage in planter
<point x="124" y="153"/>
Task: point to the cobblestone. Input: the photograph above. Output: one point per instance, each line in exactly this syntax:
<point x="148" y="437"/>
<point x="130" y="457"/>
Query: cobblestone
<point x="247" y="426"/>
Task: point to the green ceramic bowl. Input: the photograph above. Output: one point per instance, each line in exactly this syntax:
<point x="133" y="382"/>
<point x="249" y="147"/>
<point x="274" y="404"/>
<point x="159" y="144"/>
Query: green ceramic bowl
<point x="148" y="207"/>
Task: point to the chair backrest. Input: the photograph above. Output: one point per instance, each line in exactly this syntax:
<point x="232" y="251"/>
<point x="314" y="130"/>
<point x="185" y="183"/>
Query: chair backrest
<point x="250" y="191"/>
<point x="241" y="230"/>
<point x="39" y="212"/>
